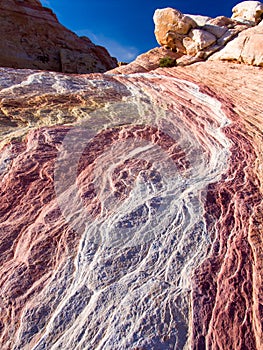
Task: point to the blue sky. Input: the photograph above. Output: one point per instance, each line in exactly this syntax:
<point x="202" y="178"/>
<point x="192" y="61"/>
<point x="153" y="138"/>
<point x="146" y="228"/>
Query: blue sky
<point x="126" y="28"/>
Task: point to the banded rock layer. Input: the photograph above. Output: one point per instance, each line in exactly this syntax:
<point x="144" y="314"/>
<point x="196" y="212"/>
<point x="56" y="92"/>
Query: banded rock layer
<point x="131" y="209"/>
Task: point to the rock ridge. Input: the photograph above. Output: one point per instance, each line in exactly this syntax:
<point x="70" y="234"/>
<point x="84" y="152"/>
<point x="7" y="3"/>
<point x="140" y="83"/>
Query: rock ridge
<point x="194" y="38"/>
<point x="201" y="39"/>
<point x="131" y="205"/>
<point x="33" y="38"/>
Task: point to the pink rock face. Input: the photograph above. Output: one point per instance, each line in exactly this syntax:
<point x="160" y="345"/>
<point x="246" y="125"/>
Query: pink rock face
<point x="131" y="209"/>
<point x="147" y="61"/>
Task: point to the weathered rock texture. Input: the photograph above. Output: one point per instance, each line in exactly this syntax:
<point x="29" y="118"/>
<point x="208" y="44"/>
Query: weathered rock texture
<point x="246" y="48"/>
<point x="248" y="11"/>
<point x="219" y="38"/>
<point x="171" y="25"/>
<point x="131" y="208"/>
<point x="32" y="37"/>
<point x="147" y="61"/>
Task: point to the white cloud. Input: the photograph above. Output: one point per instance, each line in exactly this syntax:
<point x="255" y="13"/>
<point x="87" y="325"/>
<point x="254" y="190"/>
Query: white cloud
<point x="121" y="52"/>
<point x="45" y="3"/>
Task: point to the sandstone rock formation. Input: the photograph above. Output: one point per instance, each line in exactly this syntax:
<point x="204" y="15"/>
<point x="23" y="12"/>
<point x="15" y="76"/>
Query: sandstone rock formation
<point x="131" y="207"/>
<point x="247" y="47"/>
<point x="147" y="61"/>
<point x="199" y="20"/>
<point x="171" y="26"/>
<point x="248" y="11"/>
<point x="208" y="37"/>
<point x="32" y="37"/>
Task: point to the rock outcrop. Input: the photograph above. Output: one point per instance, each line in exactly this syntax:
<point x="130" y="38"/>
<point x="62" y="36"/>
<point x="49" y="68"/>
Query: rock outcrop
<point x="171" y="26"/>
<point x="147" y="61"/>
<point x="32" y="37"/>
<point x="246" y="48"/>
<point x="248" y="11"/>
<point x="131" y="207"/>
<point x="215" y="38"/>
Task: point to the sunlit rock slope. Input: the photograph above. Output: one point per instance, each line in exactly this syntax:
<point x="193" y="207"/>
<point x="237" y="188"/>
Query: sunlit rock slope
<point x="131" y="209"/>
<point x="32" y="37"/>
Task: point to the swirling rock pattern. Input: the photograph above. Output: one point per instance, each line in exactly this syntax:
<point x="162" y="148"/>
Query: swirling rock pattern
<point x="131" y="209"/>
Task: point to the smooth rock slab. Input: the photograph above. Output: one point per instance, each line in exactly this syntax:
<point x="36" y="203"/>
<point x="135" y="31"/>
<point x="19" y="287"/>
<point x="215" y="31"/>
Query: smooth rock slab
<point x="246" y="48"/>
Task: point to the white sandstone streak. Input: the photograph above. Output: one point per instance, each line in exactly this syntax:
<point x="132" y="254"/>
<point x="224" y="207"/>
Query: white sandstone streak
<point x="141" y="250"/>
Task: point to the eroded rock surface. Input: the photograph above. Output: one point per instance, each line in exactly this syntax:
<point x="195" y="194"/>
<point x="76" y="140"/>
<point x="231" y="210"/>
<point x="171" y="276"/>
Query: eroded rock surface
<point x="147" y="61"/>
<point x="170" y="20"/>
<point x="248" y="11"/>
<point x="197" y="41"/>
<point x="32" y="37"/>
<point x="131" y="209"/>
<point x="246" y="48"/>
<point x="131" y="203"/>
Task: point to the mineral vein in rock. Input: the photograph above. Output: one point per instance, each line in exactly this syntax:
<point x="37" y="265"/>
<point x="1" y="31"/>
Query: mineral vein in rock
<point x="130" y="211"/>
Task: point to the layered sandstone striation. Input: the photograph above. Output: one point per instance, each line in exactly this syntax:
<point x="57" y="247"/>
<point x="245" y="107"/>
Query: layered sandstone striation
<point x="131" y="207"/>
<point x="32" y="37"/>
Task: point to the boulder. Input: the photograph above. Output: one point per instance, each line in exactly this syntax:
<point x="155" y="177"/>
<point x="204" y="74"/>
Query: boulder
<point x="202" y="38"/>
<point x="199" y="41"/>
<point x="169" y="21"/>
<point x="199" y="19"/>
<point x="246" y="48"/>
<point x="248" y="11"/>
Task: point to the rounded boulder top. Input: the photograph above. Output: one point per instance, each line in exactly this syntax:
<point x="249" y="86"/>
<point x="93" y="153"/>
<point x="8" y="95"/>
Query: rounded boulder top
<point x="248" y="11"/>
